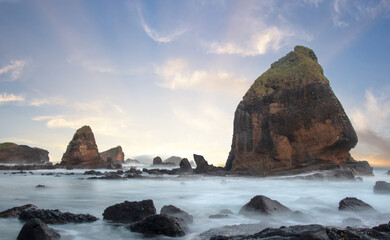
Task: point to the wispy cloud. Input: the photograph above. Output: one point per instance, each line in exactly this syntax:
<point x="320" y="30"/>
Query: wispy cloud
<point x="254" y="30"/>
<point x="258" y="44"/>
<point x="37" y="102"/>
<point x="10" y="97"/>
<point x="158" y="37"/>
<point x="13" y="70"/>
<point x="105" y="118"/>
<point x="176" y="74"/>
<point x="372" y="124"/>
<point x="346" y="12"/>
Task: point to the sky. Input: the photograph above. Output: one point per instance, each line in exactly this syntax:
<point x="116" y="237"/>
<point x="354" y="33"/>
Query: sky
<point x="165" y="77"/>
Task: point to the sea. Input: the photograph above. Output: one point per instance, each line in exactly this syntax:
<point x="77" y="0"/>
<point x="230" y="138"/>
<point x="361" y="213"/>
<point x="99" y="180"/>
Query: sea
<point x="317" y="201"/>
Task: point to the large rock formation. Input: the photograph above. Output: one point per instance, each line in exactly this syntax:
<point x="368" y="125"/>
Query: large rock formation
<point x="290" y="121"/>
<point x="115" y="154"/>
<point x="22" y="154"/>
<point x="82" y="151"/>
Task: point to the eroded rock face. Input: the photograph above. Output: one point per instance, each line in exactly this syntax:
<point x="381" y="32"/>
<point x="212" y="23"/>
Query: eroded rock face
<point x="35" y="229"/>
<point x="82" y="151"/>
<point x="290" y="119"/>
<point x="115" y="154"/>
<point x="22" y="154"/>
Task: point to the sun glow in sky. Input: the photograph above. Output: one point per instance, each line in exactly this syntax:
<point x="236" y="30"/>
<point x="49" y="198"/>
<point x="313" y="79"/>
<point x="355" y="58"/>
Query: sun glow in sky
<point x="165" y="77"/>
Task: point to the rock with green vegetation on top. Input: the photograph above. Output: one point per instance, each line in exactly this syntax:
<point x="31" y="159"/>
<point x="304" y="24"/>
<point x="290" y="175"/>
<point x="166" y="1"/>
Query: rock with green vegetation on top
<point x="290" y="121"/>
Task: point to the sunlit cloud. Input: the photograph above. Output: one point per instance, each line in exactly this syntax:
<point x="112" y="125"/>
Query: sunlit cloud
<point x="259" y="43"/>
<point x="158" y="37"/>
<point x="13" y="70"/>
<point x="372" y="124"/>
<point x="10" y="97"/>
<point x="176" y="75"/>
<point x="104" y="118"/>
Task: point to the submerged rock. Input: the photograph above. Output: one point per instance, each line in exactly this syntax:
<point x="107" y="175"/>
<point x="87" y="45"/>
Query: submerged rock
<point x="355" y="205"/>
<point x="130" y="211"/>
<point x="22" y="154"/>
<point x="115" y="154"/>
<point x="173" y="211"/>
<point x="290" y="121"/>
<point x="264" y="206"/>
<point x="15" y="211"/>
<point x="35" y="229"/>
<point x="82" y="151"/>
<point x="382" y="187"/>
<point x="56" y="216"/>
<point x="160" y="224"/>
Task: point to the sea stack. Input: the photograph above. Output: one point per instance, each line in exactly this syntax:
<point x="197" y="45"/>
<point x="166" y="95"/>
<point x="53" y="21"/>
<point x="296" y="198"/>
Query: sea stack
<point x="82" y="151"/>
<point x="115" y="154"/>
<point x="290" y="121"/>
<point x="22" y="154"/>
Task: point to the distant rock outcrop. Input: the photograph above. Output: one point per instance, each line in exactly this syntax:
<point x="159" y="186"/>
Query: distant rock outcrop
<point x="203" y="167"/>
<point x="115" y="154"/>
<point x="173" y="160"/>
<point x="290" y="121"/>
<point x="157" y="161"/>
<point x="82" y="151"/>
<point x="185" y="165"/>
<point x="22" y="154"/>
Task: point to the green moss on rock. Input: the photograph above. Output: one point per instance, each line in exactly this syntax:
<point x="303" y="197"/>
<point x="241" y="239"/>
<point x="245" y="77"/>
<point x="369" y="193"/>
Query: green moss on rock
<point x="7" y="145"/>
<point x="298" y="67"/>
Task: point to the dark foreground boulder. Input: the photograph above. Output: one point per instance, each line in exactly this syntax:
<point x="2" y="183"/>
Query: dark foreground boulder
<point x="315" y="232"/>
<point x="264" y="206"/>
<point x="56" y="216"/>
<point x="382" y="187"/>
<point x="160" y="224"/>
<point x="173" y="211"/>
<point x="15" y="211"/>
<point x="35" y="229"/>
<point x="130" y="211"/>
<point x="355" y="205"/>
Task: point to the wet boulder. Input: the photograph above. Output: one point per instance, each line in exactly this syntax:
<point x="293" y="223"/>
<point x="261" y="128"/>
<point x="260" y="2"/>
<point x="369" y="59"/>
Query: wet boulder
<point x="161" y="224"/>
<point x="130" y="211"/>
<point x="56" y="216"/>
<point x="264" y="206"/>
<point x="15" y="211"/>
<point x="35" y="229"/>
<point x="355" y="205"/>
<point x="382" y="187"/>
<point x="173" y="211"/>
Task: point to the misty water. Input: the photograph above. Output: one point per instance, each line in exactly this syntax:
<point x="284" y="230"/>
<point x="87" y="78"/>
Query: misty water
<point x="198" y="195"/>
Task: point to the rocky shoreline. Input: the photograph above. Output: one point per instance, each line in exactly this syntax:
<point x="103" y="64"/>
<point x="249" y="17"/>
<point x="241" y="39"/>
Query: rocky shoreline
<point x="142" y="217"/>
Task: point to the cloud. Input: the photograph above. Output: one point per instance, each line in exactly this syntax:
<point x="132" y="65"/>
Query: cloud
<point x="157" y="37"/>
<point x="13" y="69"/>
<point x="346" y="12"/>
<point x="372" y="124"/>
<point x="259" y="43"/>
<point x="105" y="118"/>
<point x="176" y="74"/>
<point x="6" y="97"/>
<point x="37" y="102"/>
